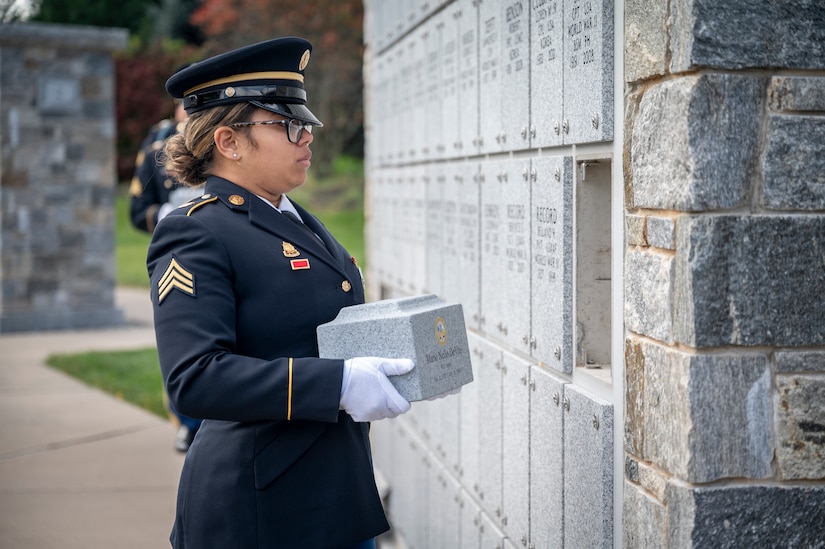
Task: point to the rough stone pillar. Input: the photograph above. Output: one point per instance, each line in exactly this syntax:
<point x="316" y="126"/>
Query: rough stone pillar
<point x="724" y="293"/>
<point x="58" y="131"/>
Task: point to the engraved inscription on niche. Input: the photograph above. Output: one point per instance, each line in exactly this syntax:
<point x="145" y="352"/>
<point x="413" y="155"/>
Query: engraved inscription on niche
<point x="492" y="228"/>
<point x="546" y="13"/>
<point x="514" y="15"/>
<point x="547" y="259"/>
<point x="489" y="65"/>
<point x="468" y="231"/>
<point x="467" y="74"/>
<point x="583" y="22"/>
<point x="516" y="240"/>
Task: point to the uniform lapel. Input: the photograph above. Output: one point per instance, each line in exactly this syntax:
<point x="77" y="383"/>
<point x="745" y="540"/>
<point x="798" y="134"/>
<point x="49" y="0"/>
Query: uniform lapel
<point x="318" y="228"/>
<point x="267" y="218"/>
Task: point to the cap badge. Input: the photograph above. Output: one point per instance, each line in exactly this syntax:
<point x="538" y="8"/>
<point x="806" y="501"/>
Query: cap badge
<point x="236" y="199"/>
<point x="229" y="91"/>
<point x="304" y="61"/>
<point x="290" y="250"/>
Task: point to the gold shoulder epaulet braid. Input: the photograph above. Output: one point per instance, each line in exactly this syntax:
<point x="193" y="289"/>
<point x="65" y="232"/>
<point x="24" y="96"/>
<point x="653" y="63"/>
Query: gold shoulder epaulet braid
<point x="201" y="203"/>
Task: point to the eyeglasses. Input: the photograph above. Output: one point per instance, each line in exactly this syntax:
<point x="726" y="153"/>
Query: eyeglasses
<point x="294" y="128"/>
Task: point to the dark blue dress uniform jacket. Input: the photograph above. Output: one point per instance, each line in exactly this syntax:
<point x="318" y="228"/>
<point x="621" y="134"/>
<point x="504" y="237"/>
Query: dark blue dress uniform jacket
<point x="275" y="464"/>
<point x="151" y="185"/>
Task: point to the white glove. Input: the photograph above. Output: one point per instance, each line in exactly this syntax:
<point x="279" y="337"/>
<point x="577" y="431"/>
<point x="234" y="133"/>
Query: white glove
<point x="367" y="394"/>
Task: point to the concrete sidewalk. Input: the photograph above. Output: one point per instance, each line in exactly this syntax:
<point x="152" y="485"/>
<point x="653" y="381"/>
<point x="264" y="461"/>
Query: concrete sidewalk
<point x="78" y="467"/>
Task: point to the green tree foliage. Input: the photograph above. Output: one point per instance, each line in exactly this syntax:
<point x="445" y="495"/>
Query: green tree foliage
<point x="129" y="14"/>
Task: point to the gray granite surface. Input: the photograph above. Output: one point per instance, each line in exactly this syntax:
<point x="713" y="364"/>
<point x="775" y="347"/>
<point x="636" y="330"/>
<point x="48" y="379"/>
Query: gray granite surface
<point x="423" y="328"/>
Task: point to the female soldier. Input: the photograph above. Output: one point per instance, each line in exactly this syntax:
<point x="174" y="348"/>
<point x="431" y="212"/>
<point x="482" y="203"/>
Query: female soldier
<point x="238" y="287"/>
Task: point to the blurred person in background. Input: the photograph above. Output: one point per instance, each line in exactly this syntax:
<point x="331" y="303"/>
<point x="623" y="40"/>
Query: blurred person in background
<point x="152" y="195"/>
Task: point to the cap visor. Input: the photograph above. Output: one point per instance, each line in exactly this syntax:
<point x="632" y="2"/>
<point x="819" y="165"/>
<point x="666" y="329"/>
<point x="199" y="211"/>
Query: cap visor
<point x="290" y="110"/>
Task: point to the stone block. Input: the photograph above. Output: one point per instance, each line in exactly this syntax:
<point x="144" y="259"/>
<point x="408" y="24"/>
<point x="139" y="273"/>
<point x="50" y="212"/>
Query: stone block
<point x="695" y="142"/>
<point x="546" y="460"/>
<point x="490" y="76"/>
<point x="644" y="519"/>
<point x="745" y="516"/>
<point x="588" y="485"/>
<point x="450" y="103"/>
<point x="414" y="229"/>
<point x="490" y="424"/>
<point x="515" y="463"/>
<point x="551" y="293"/>
<point x="661" y="232"/>
<point x="470" y="521"/>
<point x="800" y="361"/>
<point x="800" y="426"/>
<point x="634" y="230"/>
<point x="653" y="480"/>
<point x="423" y="328"/>
<point x="793" y="164"/>
<point x="649" y="282"/>
<point x="515" y="71"/>
<point x="469" y="448"/>
<point x="634" y="410"/>
<point x="797" y="93"/>
<point x="746" y="280"/>
<point x="460" y="245"/>
<point x="468" y="77"/>
<point x="546" y="74"/>
<point x="588" y="71"/>
<point x="645" y="39"/>
<point x="707" y="417"/>
<point x="440" y="223"/>
<point x="505" y="252"/>
<point x="742" y="34"/>
<point x="491" y="534"/>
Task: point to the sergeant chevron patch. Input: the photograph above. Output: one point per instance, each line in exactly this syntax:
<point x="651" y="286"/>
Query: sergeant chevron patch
<point x="176" y="276"/>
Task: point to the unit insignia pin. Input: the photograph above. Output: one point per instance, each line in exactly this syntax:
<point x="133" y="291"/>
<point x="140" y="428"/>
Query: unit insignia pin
<point x="290" y="250"/>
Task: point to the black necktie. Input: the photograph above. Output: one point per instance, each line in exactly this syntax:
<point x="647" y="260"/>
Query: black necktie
<point x="294" y="218"/>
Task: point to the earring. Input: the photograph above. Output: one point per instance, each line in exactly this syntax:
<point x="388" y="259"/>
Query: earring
<point x="234" y="155"/>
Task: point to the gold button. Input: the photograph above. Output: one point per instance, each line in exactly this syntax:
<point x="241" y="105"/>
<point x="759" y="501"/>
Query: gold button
<point x="346" y="286"/>
<point x="236" y="199"/>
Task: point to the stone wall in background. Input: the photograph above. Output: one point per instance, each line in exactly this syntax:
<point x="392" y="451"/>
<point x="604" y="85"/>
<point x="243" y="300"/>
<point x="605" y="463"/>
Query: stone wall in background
<point x="661" y="269"/>
<point x="57" y="176"/>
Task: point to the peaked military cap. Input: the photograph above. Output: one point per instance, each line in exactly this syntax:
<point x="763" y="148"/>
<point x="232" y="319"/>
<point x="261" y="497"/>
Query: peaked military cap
<point x="269" y="74"/>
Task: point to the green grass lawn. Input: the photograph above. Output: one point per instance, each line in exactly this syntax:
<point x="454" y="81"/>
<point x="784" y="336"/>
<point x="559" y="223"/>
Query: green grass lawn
<point x="134" y="375"/>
